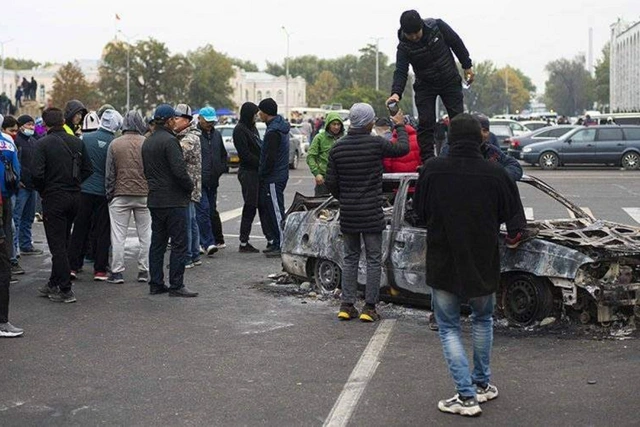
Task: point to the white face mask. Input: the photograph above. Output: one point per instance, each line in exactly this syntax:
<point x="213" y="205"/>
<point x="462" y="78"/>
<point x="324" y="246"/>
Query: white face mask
<point x="28" y="132"/>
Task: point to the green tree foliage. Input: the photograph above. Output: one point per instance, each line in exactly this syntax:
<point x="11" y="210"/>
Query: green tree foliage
<point x="364" y="73"/>
<point x="569" y="89"/>
<point x="601" y="83"/>
<point x="348" y="97"/>
<point x="495" y="89"/>
<point x="20" y="64"/>
<point x="156" y="76"/>
<point x="70" y="83"/>
<point x="244" y="65"/>
<point x="323" y="90"/>
<point x="211" y="74"/>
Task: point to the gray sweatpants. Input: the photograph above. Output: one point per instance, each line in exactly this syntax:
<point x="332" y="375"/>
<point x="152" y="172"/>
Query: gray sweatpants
<point x="373" y="253"/>
<point x="120" y="210"/>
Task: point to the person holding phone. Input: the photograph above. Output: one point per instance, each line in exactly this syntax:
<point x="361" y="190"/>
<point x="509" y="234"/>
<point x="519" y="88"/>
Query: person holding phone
<point x="427" y="45"/>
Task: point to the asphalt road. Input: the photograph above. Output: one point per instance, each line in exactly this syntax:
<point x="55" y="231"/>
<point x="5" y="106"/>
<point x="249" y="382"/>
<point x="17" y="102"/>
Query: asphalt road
<point x="243" y="354"/>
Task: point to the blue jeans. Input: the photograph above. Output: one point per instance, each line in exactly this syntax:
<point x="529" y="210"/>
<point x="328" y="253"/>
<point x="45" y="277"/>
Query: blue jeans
<point x="193" y="235"/>
<point x="24" y="213"/>
<point x="208" y="218"/>
<point x="447" y="310"/>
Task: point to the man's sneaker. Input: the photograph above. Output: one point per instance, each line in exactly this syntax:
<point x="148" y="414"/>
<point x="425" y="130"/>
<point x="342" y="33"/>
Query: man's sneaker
<point x="463" y="406"/>
<point x="189" y="265"/>
<point x="487" y="393"/>
<point x="522" y="236"/>
<point x="73" y="274"/>
<point x="46" y="290"/>
<point x="32" y="251"/>
<point x="270" y="247"/>
<point x="248" y="248"/>
<point x="157" y="290"/>
<point x="59" y="296"/>
<point x="347" y="312"/>
<point x="221" y="245"/>
<point x="212" y="249"/>
<point x="13" y="280"/>
<point x="100" y="276"/>
<point x="202" y="251"/>
<point x="433" y="324"/>
<point x="197" y="262"/>
<point x="273" y="253"/>
<point x="115" y="278"/>
<point x="38" y="217"/>
<point x="182" y="292"/>
<point x="143" y="276"/>
<point x="16" y="269"/>
<point x="7" y="330"/>
<point x="369" y="314"/>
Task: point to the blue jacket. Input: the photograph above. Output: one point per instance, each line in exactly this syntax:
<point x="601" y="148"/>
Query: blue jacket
<point x="97" y="144"/>
<point x="494" y="154"/>
<point x="274" y="155"/>
<point x="10" y="153"/>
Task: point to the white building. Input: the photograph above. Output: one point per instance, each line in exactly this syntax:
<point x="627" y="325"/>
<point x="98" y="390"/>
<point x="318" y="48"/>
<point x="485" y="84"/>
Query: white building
<point x="624" y="74"/>
<point x="256" y="86"/>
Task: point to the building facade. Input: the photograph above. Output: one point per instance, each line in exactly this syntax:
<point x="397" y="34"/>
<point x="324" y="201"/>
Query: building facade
<point x="624" y="67"/>
<point x="255" y="86"/>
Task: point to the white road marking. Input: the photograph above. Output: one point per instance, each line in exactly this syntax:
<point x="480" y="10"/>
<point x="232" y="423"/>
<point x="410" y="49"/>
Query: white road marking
<point x="633" y="213"/>
<point x="528" y="213"/>
<point x="360" y="376"/>
<point x="587" y="210"/>
<point x="234" y="213"/>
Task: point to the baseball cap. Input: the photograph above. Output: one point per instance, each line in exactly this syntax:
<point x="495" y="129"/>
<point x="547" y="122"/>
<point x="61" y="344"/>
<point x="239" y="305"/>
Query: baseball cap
<point x="208" y="114"/>
<point x="183" y="110"/>
<point x="164" y="112"/>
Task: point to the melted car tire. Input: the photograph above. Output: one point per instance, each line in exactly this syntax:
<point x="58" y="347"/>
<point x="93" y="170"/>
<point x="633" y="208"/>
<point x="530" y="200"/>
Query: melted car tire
<point x="548" y="156"/>
<point x="526" y="298"/>
<point x="327" y="275"/>
<point x="630" y="161"/>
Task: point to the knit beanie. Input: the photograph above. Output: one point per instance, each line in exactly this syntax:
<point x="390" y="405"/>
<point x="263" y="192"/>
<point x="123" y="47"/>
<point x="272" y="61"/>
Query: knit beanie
<point x="268" y="106"/>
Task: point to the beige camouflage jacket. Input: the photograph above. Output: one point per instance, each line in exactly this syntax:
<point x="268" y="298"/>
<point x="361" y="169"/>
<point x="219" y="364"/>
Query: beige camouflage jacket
<point x="190" y="142"/>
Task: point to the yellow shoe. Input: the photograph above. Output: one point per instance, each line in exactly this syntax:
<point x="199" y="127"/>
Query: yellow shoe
<point x="347" y="312"/>
<point x="369" y="314"/>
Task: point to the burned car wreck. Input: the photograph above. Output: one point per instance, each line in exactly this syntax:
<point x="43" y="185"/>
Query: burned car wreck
<point x="587" y="267"/>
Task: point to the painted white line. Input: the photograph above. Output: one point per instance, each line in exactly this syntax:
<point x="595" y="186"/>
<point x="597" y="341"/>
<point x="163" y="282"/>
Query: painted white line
<point x="528" y="213"/>
<point x="587" y="210"/>
<point x="234" y="213"/>
<point x="360" y="376"/>
<point x="251" y="237"/>
<point x="633" y="213"/>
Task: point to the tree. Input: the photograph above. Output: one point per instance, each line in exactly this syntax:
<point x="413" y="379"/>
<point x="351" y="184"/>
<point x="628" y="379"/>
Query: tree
<point x="569" y="89"/>
<point x="323" y="90"/>
<point x="244" y="65"/>
<point x="69" y="83"/>
<point x="211" y="74"/>
<point x="20" y="64"/>
<point x="348" y="97"/>
<point x="601" y="82"/>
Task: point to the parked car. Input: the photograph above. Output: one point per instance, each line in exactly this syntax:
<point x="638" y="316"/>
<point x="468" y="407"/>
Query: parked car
<point x="504" y="134"/>
<point x="296" y="133"/>
<point x="232" y="154"/>
<point x="590" y="266"/>
<point x="516" y="127"/>
<point x="516" y="143"/>
<point x="615" y="145"/>
<point x="534" y="124"/>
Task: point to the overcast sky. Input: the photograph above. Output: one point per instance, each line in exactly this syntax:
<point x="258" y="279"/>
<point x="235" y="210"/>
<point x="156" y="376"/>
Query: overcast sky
<point x="506" y="32"/>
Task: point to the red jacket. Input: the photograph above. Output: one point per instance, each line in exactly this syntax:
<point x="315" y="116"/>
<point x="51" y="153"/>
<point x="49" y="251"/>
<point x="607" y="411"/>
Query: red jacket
<point x="408" y="163"/>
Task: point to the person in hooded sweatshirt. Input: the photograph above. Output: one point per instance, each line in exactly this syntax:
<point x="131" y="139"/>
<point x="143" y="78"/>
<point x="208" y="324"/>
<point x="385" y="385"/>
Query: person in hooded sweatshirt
<point x="74" y="112"/>
<point x="273" y="172"/>
<point x="94" y="210"/>
<point x="247" y="141"/>
<point x="126" y="190"/>
<point x="318" y="154"/>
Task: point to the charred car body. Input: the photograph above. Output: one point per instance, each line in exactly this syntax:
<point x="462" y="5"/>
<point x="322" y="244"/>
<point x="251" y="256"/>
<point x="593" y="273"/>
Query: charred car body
<point x="588" y="265"/>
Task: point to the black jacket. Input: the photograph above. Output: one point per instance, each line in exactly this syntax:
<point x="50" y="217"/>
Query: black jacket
<point x="463" y="199"/>
<point x="165" y="170"/>
<point x="430" y="57"/>
<point x="214" y="157"/>
<point x="53" y="163"/>
<point x="247" y="142"/>
<point x="354" y="177"/>
<point x="26" y="150"/>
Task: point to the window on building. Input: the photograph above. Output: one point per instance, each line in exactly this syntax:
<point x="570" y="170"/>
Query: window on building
<point x="280" y="97"/>
<point x="268" y="94"/>
<point x="259" y="95"/>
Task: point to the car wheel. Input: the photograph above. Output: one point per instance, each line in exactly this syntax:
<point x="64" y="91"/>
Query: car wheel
<point x="548" y="160"/>
<point x="630" y="161"/>
<point x="327" y="275"/>
<point x="526" y="298"/>
<point x="294" y="162"/>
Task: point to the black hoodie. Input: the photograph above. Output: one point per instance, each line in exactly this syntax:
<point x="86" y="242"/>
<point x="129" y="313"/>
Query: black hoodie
<point x="246" y="138"/>
<point x="72" y="108"/>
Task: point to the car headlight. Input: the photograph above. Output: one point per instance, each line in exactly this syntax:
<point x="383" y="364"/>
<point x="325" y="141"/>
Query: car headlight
<point x="526" y="150"/>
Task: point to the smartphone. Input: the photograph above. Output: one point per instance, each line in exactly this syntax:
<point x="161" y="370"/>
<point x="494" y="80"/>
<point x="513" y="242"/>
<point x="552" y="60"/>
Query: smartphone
<point x="393" y="108"/>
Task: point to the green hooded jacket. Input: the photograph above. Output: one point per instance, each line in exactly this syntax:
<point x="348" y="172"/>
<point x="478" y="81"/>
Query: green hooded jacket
<point x="318" y="154"/>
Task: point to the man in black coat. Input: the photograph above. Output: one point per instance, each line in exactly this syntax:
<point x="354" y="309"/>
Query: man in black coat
<point x="354" y="177"/>
<point x="463" y="199"/>
<point x="60" y="164"/>
<point x="427" y="45"/>
<point x="170" y="190"/>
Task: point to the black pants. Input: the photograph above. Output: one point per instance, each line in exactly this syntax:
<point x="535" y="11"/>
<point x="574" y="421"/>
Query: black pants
<point x="168" y="223"/>
<point x="271" y="200"/>
<point x="250" y="184"/>
<point x="93" y="214"/>
<point x="5" y="264"/>
<point x="519" y="220"/>
<point x="426" y="97"/>
<point x="59" y="209"/>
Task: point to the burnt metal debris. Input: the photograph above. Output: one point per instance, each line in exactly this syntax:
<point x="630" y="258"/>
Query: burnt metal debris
<point x="583" y="265"/>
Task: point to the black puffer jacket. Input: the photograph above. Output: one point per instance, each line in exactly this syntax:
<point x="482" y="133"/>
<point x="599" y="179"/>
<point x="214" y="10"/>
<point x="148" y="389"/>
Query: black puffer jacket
<point x="354" y="177"/>
<point x="246" y="138"/>
<point x="430" y="57"/>
<point x="214" y="157"/>
<point x="166" y="171"/>
<point x="26" y="149"/>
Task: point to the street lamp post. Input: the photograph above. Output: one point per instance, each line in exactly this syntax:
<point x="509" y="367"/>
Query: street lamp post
<point x="128" y="68"/>
<point x="2" y="54"/>
<point x="286" y="76"/>
<point x="377" y="39"/>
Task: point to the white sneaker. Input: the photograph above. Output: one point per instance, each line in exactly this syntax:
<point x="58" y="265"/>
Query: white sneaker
<point x="212" y="249"/>
<point x="490" y="392"/>
<point x="8" y="330"/>
<point x="221" y="245"/>
<point x="455" y="405"/>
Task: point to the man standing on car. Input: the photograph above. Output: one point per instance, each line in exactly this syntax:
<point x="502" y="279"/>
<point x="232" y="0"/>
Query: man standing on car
<point x="169" y="194"/>
<point x="354" y="177"/>
<point x="427" y="45"/>
<point x="214" y="164"/>
<point x="463" y="199"/>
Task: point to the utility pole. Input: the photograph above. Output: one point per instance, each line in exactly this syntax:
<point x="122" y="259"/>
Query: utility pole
<point x="2" y="54"/>
<point x="286" y="72"/>
<point x="506" y="86"/>
<point x="128" y="68"/>
<point x="377" y="40"/>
